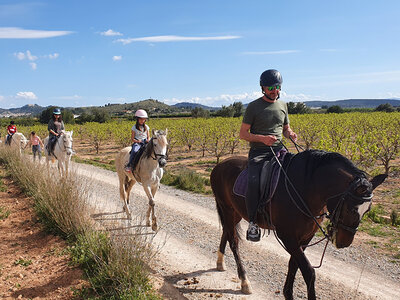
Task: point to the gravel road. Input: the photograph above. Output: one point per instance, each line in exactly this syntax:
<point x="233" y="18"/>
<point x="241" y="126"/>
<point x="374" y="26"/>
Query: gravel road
<point x="188" y="241"/>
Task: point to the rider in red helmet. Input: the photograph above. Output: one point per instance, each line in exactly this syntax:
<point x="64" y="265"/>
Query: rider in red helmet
<point x="11" y="130"/>
<point x="140" y="136"/>
<point x="265" y="121"/>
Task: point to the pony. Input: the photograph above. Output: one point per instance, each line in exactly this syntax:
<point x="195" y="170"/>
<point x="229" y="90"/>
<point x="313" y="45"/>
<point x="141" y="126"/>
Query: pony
<point x="62" y="151"/>
<point x="148" y="172"/>
<point x="312" y="184"/>
<point x="18" y="142"/>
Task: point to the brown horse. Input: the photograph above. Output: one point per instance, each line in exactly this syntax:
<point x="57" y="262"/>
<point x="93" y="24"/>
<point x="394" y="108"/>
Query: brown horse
<point x="311" y="183"/>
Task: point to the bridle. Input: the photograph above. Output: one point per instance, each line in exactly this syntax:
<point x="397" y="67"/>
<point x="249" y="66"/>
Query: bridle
<point x="64" y="141"/>
<point x="158" y="156"/>
<point x="334" y="217"/>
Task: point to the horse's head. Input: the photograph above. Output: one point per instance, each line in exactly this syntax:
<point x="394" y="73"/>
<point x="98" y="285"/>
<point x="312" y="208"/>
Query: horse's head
<point x="346" y="209"/>
<point x="23" y="141"/>
<point x="67" y="140"/>
<point x="160" y="146"/>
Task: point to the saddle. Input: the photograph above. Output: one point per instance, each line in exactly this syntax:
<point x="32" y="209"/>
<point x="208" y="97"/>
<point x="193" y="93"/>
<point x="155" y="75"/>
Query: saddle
<point x="269" y="179"/>
<point x="138" y="156"/>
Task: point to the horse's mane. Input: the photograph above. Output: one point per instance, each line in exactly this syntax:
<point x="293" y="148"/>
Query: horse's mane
<point x="149" y="149"/>
<point x="319" y="158"/>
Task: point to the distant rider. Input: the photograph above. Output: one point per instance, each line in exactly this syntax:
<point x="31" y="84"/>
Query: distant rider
<point x="55" y="127"/>
<point x="140" y="136"/>
<point x="264" y="122"/>
<point x="11" y="130"/>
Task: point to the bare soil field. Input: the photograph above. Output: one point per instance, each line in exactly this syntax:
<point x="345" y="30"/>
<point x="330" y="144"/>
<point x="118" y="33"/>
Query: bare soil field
<point x="33" y="264"/>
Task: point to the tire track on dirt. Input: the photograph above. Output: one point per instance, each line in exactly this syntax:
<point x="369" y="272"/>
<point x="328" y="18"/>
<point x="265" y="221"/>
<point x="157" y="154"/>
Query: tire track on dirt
<point x="189" y="237"/>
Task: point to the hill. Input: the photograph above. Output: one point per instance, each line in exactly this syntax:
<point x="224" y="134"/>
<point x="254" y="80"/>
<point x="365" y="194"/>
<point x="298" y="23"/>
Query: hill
<point x="158" y="108"/>
<point x="190" y="106"/>
<point x="353" y="103"/>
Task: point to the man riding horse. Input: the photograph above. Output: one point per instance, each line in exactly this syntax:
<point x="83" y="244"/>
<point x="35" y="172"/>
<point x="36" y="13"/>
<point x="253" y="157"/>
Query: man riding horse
<point x="55" y="127"/>
<point x="263" y="123"/>
<point x="11" y="130"/>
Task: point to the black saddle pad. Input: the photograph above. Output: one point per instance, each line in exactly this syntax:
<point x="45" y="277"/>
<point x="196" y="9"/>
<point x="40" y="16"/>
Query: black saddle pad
<point x="138" y="155"/>
<point x="269" y="178"/>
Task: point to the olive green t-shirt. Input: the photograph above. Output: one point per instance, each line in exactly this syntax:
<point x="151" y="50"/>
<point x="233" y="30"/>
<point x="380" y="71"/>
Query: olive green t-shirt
<point x="266" y="118"/>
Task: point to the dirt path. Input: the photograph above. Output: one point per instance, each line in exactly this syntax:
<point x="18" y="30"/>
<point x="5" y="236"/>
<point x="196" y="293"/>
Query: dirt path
<point x="189" y="236"/>
<point x="33" y="263"/>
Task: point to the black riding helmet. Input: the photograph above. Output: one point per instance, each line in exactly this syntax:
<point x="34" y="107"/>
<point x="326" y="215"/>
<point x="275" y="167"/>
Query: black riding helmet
<point x="271" y="77"/>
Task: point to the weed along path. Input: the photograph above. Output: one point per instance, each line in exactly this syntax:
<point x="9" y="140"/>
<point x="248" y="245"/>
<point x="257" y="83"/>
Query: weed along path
<point x="188" y="239"/>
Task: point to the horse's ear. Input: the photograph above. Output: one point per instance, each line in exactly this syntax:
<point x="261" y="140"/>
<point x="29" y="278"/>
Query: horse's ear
<point x="377" y="180"/>
<point x="72" y="132"/>
<point x="166" y="131"/>
<point x="153" y="132"/>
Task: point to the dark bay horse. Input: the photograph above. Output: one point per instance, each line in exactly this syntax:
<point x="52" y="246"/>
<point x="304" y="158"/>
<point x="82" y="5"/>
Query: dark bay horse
<point x="316" y="182"/>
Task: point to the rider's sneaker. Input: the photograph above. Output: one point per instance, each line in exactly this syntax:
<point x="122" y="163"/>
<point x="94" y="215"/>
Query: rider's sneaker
<point x="128" y="169"/>
<point x="253" y="232"/>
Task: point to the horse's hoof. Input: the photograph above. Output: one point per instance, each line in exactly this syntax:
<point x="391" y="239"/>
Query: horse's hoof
<point x="220" y="262"/>
<point x="221" y="266"/>
<point x="246" y="287"/>
<point x="154" y="227"/>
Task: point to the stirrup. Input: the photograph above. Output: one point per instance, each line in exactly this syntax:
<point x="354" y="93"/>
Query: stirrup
<point x="253" y="232"/>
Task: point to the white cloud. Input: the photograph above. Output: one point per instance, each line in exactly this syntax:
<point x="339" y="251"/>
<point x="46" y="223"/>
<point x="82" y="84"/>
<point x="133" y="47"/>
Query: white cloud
<point x="73" y="97"/>
<point x="27" y="55"/>
<point x="2" y="98"/>
<point x="52" y="56"/>
<point x="270" y="52"/>
<point x="20" y="33"/>
<point x="116" y="57"/>
<point x="224" y="99"/>
<point x="33" y="65"/>
<point x="300" y="97"/>
<point x="175" y="38"/>
<point x="26" y="95"/>
<point x="110" y="32"/>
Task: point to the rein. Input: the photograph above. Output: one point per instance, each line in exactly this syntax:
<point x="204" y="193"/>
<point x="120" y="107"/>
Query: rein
<point x="334" y="217"/>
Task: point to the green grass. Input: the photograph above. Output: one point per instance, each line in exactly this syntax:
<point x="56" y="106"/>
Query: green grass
<point x="110" y="166"/>
<point x="115" y="269"/>
<point x="23" y="262"/>
<point x="4" y="213"/>
<point x="187" y="180"/>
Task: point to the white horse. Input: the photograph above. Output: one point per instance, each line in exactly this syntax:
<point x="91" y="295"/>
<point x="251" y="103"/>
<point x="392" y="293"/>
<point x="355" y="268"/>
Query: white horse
<point x="62" y="151"/>
<point x="18" y="142"/>
<point x="148" y="172"/>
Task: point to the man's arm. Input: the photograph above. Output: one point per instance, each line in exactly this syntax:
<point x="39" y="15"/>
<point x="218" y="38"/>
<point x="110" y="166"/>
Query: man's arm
<point x="245" y="134"/>
<point x="289" y="133"/>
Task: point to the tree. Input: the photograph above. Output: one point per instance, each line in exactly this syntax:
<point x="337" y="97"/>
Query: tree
<point x="385" y="107"/>
<point x="226" y="111"/>
<point x="199" y="112"/>
<point x="335" y="109"/>
<point x="47" y="114"/>
<point x="298" y="108"/>
<point x="238" y="109"/>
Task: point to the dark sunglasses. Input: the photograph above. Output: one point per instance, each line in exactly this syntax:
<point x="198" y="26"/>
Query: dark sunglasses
<point x="271" y="88"/>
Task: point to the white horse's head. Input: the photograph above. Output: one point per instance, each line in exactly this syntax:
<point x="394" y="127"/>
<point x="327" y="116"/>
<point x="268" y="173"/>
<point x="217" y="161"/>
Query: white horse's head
<point x="67" y="140"/>
<point x="160" y="145"/>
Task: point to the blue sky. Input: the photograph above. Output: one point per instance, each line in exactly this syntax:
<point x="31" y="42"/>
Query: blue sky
<point x="93" y="52"/>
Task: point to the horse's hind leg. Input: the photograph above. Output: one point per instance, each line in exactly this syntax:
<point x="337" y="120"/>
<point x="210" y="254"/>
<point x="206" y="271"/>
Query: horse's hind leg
<point x="233" y="240"/>
<point x="150" y="192"/>
<point x="123" y="195"/>
<point x="230" y="234"/>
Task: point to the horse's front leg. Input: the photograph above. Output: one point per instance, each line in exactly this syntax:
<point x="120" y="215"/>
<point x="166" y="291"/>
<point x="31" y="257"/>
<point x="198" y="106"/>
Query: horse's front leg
<point x="298" y="258"/>
<point x="292" y="270"/>
<point x="150" y="192"/>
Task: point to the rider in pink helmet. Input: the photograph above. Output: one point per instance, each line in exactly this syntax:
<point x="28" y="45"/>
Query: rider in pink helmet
<point x="140" y="136"/>
<point x="141" y="113"/>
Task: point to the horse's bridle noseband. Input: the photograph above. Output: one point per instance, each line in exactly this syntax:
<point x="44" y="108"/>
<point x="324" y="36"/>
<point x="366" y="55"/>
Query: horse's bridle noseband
<point x="335" y="215"/>
<point x="158" y="156"/>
